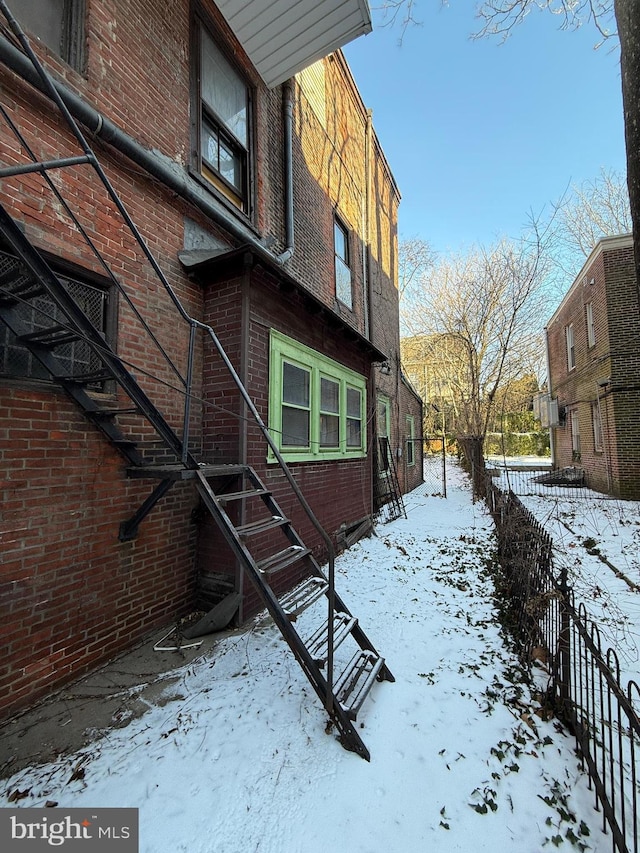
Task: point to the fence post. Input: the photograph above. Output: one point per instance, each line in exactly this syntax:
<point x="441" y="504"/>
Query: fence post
<point x="564" y="647"/>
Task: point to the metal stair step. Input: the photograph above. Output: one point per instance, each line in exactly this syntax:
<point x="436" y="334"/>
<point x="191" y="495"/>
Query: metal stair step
<point x="287" y="557"/>
<point x="298" y="599"/>
<point x="317" y="643"/>
<point x="20" y="293"/>
<point x="353" y="686"/>
<point x="52" y="336"/>
<point x="86" y="378"/>
<point x="238" y="496"/>
<point x="262" y="525"/>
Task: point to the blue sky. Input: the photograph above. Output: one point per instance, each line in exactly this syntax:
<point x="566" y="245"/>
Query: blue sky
<point x="479" y="133"/>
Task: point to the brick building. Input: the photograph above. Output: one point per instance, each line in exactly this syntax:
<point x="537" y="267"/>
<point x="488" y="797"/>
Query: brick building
<point x="242" y="151"/>
<point x="594" y="372"/>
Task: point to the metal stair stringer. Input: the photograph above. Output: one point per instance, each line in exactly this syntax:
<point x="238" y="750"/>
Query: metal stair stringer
<point x="80" y="326"/>
<point x="349" y="736"/>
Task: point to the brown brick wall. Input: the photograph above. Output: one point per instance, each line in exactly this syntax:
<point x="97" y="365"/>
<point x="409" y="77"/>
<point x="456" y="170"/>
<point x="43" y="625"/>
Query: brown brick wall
<point x="608" y="371"/>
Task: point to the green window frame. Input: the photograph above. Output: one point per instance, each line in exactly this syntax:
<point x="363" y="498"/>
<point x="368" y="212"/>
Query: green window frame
<point x="411" y="434"/>
<point x="317" y="406"/>
<point x="384" y="431"/>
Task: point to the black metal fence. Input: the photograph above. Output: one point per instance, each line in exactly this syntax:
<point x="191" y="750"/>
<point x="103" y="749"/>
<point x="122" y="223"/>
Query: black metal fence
<point x="542" y="480"/>
<point x="584" y="678"/>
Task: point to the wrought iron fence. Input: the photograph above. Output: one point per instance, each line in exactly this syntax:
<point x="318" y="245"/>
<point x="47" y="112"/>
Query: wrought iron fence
<point x="584" y="679"/>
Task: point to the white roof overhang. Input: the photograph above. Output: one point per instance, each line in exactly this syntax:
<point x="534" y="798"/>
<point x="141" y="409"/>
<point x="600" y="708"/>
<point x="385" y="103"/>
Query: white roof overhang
<point x="281" y="37"/>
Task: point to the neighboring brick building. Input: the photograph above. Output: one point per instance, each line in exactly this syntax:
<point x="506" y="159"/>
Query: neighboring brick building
<point x="260" y="187"/>
<point x="594" y="371"/>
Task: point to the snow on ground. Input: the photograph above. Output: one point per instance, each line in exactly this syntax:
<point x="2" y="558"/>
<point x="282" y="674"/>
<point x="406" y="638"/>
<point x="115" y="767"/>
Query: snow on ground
<point x="237" y="759"/>
<point x="597" y="539"/>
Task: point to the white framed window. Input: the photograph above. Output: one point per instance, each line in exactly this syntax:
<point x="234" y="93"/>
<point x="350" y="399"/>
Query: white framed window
<point x="344" y="289"/>
<point x="571" y="350"/>
<point x="591" y="330"/>
<point x="316" y="405"/>
<point x="596" y="418"/>
<point x="383" y="424"/>
<point x="411" y="435"/>
<point x="575" y="434"/>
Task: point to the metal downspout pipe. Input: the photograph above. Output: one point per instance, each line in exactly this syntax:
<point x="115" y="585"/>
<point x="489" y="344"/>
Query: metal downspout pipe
<point x="287" y="115"/>
<point x="170" y="174"/>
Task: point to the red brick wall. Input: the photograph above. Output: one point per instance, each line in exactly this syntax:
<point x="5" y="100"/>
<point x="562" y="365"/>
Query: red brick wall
<point x="75" y="595"/>
<point x="72" y="594"/>
<point x="339" y="492"/>
<point x="608" y="371"/>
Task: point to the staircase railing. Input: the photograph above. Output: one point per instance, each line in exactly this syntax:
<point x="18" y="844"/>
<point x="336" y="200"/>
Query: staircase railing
<point x="88" y="158"/>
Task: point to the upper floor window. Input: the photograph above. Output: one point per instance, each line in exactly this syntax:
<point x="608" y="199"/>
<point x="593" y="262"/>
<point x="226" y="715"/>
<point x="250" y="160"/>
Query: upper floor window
<point x="57" y="23"/>
<point x="591" y="330"/>
<point x="222" y="134"/>
<point x="571" y="350"/>
<point x="344" y="291"/>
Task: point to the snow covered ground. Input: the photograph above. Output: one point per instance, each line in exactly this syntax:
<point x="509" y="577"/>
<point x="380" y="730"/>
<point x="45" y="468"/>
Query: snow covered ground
<point x="597" y="539"/>
<point x="237" y="760"/>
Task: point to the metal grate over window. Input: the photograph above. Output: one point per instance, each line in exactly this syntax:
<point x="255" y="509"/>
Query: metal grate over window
<point x="40" y="312"/>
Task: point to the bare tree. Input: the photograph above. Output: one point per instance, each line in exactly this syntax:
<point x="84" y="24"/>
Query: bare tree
<point x="611" y="19"/>
<point x="592" y="210"/>
<point x="415" y="259"/>
<point x="481" y="313"/>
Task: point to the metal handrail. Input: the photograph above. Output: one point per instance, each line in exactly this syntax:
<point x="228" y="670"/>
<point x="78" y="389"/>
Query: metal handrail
<point x="193" y="325"/>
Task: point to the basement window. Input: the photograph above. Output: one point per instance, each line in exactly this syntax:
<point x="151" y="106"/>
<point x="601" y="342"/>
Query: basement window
<point x="59" y="24"/>
<point x="40" y="312"/>
<point x="316" y="405"/>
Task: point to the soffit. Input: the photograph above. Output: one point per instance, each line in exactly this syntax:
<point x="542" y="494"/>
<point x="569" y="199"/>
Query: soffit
<point x="209" y="265"/>
<point x="281" y="37"/>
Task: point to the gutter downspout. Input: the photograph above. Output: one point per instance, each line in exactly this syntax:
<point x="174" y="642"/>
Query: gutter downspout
<point x="551" y="429"/>
<point x="287" y="115"/>
<point x="166" y="171"/>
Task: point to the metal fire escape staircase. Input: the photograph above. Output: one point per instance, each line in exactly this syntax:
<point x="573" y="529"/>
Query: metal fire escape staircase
<point x="27" y="282"/>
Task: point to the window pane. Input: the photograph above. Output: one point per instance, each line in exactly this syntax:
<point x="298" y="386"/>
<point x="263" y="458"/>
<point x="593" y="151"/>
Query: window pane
<point x="354" y="433"/>
<point x="295" y="385"/>
<point x="230" y="167"/>
<point x="295" y="427"/>
<point x="340" y="240"/>
<point x="343" y="283"/>
<point x="210" y="150"/>
<point x="223" y="90"/>
<point x="329" y="396"/>
<point x="329" y="431"/>
<point x="46" y="19"/>
<point x="353" y="403"/>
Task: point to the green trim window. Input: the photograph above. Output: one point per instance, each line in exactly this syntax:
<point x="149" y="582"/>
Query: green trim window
<point x="384" y="432"/>
<point x="411" y="434"/>
<point x="316" y="406"/>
